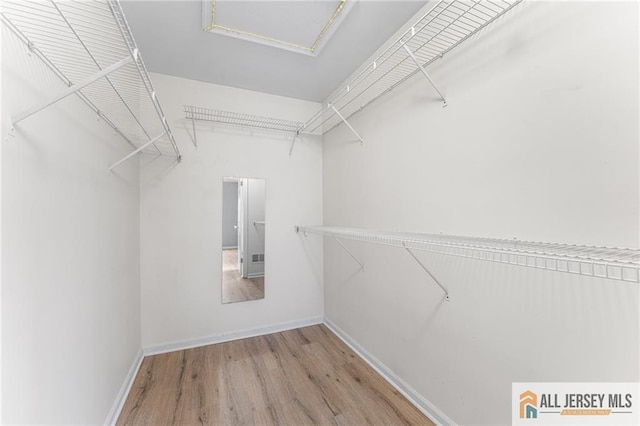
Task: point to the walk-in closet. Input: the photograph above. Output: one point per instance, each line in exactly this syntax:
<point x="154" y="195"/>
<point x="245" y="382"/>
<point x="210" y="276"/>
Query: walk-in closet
<point x="310" y="212"/>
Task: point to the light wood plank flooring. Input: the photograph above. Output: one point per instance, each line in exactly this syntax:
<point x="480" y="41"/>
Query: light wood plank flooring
<point x="234" y="287"/>
<point x="298" y="377"/>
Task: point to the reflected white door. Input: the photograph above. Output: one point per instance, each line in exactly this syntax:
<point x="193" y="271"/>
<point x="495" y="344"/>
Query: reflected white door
<point x="240" y="226"/>
<point x="254" y="231"/>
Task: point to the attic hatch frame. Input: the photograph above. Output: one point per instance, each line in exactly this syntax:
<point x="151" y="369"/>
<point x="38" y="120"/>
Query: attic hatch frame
<point x="89" y="46"/>
<point x="313" y="49"/>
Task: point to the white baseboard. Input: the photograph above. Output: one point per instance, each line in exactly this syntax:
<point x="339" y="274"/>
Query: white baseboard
<point x="258" y="275"/>
<point x="124" y="390"/>
<point x="227" y="337"/>
<point x="394" y="380"/>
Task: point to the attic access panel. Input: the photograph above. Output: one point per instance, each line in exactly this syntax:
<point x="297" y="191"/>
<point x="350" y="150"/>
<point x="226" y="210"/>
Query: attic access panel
<point x="298" y="26"/>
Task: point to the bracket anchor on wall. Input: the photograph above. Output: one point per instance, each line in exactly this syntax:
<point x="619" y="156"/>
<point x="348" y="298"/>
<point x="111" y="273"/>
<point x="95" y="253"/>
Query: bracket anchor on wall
<point x="446" y="292"/>
<point x="424" y="72"/>
<point x="10" y="134"/>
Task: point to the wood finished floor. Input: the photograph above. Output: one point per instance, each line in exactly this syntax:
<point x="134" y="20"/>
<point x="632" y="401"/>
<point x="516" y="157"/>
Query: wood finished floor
<point x="298" y="377"/>
<point x="234" y="287"/>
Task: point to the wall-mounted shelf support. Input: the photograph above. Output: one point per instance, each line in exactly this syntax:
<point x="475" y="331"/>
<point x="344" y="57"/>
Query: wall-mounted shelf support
<point x="72" y="89"/>
<point x="446" y="292"/>
<point x="424" y="72"/>
<point x="347" y="123"/>
<point x="304" y="232"/>
<point x="293" y="142"/>
<point x="152" y="141"/>
<point x="349" y="253"/>
<point x="195" y="138"/>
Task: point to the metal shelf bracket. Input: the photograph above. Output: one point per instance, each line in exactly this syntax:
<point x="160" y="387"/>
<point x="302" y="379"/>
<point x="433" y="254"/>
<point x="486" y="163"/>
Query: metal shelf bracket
<point x="446" y="292"/>
<point x="424" y="72"/>
<point x="125" y="158"/>
<point x="71" y="90"/>
<point x="304" y="232"/>
<point x="346" y="122"/>
<point x="349" y="253"/>
<point x="195" y="138"/>
<point x="293" y="142"/>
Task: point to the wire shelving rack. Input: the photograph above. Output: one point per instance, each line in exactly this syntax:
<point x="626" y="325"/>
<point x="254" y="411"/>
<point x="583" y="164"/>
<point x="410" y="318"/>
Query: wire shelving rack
<point x="605" y="262"/>
<point x="89" y="46"/>
<point x="241" y="120"/>
<point x="441" y="29"/>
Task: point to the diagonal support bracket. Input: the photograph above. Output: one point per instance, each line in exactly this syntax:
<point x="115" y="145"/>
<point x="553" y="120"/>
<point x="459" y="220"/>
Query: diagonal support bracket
<point x="195" y="139"/>
<point x="347" y="123"/>
<point x="446" y="292"/>
<point x="71" y="90"/>
<point x="421" y="68"/>
<point x="293" y="142"/>
<point x="349" y="252"/>
<point x="154" y="140"/>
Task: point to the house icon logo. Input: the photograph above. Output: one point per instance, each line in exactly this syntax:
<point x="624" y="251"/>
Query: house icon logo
<point x="528" y="405"/>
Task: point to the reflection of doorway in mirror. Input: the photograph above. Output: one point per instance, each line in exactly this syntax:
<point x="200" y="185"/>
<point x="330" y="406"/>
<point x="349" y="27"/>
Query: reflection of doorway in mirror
<point x="243" y="239"/>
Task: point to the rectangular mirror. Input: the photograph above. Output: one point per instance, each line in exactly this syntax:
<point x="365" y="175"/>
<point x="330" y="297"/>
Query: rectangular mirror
<point x="243" y="237"/>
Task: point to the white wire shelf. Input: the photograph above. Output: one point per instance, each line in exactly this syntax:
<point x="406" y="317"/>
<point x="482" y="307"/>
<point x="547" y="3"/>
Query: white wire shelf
<point x="89" y="46"/>
<point x="441" y="29"/>
<point x="605" y="262"/>
<point x="241" y="120"/>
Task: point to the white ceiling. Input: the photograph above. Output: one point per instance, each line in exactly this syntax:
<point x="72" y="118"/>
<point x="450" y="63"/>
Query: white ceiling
<point x="172" y="41"/>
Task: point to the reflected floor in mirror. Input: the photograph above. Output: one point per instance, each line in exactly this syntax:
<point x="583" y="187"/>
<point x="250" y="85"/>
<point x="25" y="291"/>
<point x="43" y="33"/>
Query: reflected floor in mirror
<point x="234" y="287"/>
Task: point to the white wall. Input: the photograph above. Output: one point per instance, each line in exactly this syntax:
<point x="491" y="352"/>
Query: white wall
<point x="1" y="129"/>
<point x="181" y="209"/>
<point x="539" y="142"/>
<point x="70" y="276"/>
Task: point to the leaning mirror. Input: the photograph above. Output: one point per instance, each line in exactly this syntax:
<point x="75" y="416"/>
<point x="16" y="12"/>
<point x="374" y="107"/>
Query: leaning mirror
<point x="243" y="232"/>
